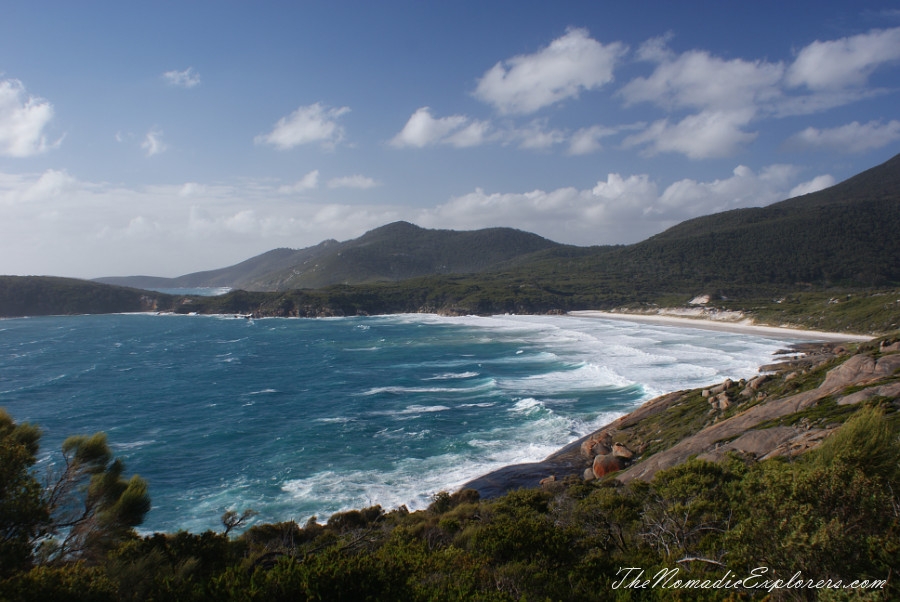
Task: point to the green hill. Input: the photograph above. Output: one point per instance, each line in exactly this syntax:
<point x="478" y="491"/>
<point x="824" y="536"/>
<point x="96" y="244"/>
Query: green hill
<point x="46" y="295"/>
<point x="393" y="252"/>
<point x="841" y="236"/>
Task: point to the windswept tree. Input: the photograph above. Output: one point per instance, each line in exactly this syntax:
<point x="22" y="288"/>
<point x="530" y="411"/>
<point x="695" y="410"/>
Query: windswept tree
<point x="84" y="508"/>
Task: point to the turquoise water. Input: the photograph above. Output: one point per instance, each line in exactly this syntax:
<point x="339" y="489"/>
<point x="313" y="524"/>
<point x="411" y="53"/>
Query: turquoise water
<point x="301" y="417"/>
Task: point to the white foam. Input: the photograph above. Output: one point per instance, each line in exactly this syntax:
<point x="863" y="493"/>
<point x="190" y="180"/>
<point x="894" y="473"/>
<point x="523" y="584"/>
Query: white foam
<point x="132" y="445"/>
<point x="452" y="376"/>
<point x="419" y="409"/>
<point x="399" y="390"/>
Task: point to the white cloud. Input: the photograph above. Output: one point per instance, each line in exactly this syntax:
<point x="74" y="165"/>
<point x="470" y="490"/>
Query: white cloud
<point x="816" y="184"/>
<point x="22" y="121"/>
<point x="475" y="133"/>
<point x="847" y="62"/>
<point x="727" y="94"/>
<point x="587" y="140"/>
<point x="705" y="135"/>
<point x="527" y="83"/>
<point x="422" y="129"/>
<point x="355" y="181"/>
<point x="48" y="185"/>
<point x="699" y="80"/>
<point x="182" y="79"/>
<point x="307" y="182"/>
<point x="153" y="144"/>
<point x="57" y="224"/>
<point x="656" y="50"/>
<point x="745" y="188"/>
<point x="535" y="135"/>
<point x="851" y="138"/>
<point x="306" y="125"/>
<point x="619" y="209"/>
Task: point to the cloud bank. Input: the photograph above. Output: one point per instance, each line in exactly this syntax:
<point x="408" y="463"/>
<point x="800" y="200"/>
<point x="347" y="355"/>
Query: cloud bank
<point x="195" y="226"/>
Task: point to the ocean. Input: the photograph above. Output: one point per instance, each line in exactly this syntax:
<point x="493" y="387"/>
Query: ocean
<point x="307" y="417"/>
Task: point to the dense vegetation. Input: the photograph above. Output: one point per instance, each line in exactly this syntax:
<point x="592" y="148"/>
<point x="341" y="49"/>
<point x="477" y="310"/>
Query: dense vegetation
<point x="45" y="295"/>
<point x="834" y="513"/>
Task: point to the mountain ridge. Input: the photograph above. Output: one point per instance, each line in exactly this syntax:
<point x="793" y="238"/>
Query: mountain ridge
<point x="842" y="235"/>
<point x="392" y="252"/>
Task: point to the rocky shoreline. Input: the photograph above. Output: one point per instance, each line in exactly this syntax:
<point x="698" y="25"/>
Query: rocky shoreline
<point x="790" y="408"/>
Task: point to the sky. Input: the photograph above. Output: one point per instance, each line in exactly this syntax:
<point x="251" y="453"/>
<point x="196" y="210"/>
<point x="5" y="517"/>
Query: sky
<point x="163" y="138"/>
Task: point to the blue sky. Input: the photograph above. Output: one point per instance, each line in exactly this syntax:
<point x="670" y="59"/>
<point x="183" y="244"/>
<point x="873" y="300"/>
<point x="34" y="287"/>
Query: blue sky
<point x="169" y="137"/>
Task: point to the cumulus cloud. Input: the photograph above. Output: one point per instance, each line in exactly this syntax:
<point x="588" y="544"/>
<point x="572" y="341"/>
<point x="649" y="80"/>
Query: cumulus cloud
<point x="725" y="97"/>
<point x="816" y="184"/>
<point x="355" y="181"/>
<point x="697" y="79"/>
<point x="619" y="209"/>
<point x="536" y="135"/>
<point x="308" y="182"/>
<point x="475" y="133"/>
<point x="182" y="79"/>
<point x="22" y="121"/>
<point x="850" y="138"/>
<point x="587" y="140"/>
<point x="153" y="143"/>
<point x="727" y="94"/>
<point x="527" y="83"/>
<point x="745" y="188"/>
<point x="847" y="62"/>
<point x="423" y="129"/>
<point x="307" y="125"/>
<point x="705" y="135"/>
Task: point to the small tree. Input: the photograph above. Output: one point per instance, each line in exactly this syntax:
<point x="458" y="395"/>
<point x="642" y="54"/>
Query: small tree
<point x="92" y="506"/>
<point x="79" y="513"/>
<point x="232" y="520"/>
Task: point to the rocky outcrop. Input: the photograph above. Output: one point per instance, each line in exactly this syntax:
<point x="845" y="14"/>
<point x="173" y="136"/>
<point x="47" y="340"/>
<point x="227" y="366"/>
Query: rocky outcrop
<point x="754" y="418"/>
<point x="740" y="432"/>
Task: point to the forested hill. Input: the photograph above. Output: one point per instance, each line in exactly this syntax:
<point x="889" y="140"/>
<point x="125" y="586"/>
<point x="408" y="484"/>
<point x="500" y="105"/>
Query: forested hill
<point x="394" y="252"/>
<point x="47" y="295"/>
<point x="845" y="235"/>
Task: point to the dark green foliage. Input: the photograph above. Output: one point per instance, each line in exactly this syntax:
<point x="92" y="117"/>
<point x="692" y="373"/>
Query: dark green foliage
<point x="44" y="295"/>
<point x="831" y="514"/>
<point x="23" y="514"/>
<point x="79" y="512"/>
<point x="75" y="582"/>
<point x="92" y="506"/>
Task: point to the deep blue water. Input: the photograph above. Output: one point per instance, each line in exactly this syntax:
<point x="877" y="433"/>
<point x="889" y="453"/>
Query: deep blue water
<point x="301" y="417"/>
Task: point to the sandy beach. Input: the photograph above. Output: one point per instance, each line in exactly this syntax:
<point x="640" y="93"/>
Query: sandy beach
<point x="741" y="326"/>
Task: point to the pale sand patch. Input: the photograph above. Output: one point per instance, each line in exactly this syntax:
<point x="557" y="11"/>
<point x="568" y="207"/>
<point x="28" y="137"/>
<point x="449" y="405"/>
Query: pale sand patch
<point x="744" y="326"/>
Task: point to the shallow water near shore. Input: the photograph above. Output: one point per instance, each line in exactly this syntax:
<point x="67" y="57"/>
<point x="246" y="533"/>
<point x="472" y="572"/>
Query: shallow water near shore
<point x="301" y="417"/>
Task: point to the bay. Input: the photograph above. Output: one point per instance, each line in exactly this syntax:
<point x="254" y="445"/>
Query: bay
<point x="300" y="417"/>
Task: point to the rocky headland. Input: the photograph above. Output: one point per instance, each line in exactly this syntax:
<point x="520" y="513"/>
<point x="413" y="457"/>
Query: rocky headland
<point x="788" y="409"/>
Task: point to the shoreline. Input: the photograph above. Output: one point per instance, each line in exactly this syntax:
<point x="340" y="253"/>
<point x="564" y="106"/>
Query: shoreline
<point x="741" y="326"/>
<point x="567" y="459"/>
